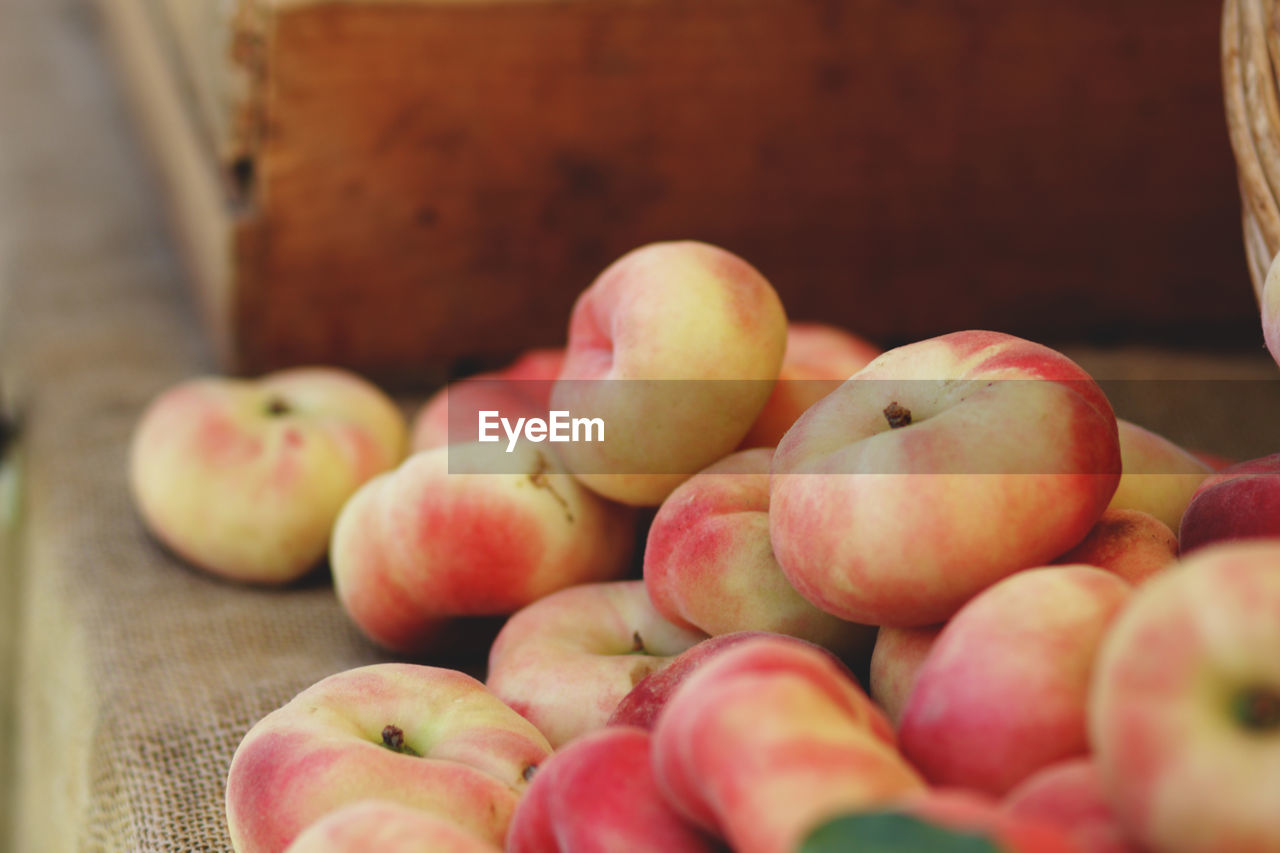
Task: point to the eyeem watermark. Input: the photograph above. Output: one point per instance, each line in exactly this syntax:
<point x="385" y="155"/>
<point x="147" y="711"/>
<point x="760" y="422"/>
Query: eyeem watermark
<point x="559" y="426"/>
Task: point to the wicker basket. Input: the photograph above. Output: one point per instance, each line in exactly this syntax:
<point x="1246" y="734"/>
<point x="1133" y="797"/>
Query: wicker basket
<point x="1250" y="55"/>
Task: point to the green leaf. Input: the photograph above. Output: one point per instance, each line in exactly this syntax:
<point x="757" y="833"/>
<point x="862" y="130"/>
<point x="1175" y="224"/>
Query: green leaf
<point x="889" y="832"/>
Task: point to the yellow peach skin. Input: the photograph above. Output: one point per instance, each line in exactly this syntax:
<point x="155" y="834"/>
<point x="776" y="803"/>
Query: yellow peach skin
<point x="386" y="827"/>
<point x="1159" y="476"/>
<point x="895" y="662"/>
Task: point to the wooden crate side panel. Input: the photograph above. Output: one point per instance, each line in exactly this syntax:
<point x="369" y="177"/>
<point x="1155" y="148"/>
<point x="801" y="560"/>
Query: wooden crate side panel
<point x="442" y="179"/>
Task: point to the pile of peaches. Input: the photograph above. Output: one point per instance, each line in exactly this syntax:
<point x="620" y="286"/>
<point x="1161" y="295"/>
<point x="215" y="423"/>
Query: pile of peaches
<point x="935" y="598"/>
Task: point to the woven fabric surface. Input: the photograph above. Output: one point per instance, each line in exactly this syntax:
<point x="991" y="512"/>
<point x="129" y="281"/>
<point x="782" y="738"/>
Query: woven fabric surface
<point x="138" y="677"/>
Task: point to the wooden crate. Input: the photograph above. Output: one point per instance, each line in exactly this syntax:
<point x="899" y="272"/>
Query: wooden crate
<point x="397" y="185"/>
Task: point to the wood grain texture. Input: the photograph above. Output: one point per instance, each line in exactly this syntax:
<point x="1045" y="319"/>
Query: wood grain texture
<point x="438" y="180"/>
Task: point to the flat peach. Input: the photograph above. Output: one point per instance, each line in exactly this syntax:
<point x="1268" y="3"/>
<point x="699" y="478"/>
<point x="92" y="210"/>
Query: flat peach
<point x="453" y="533"/>
<point x="1159" y="476"/>
<point x="709" y="564"/>
<point x="1002" y="693"/>
<point x="770" y="738"/>
<point x="1238" y="502"/>
<point x="676" y="348"/>
<point x="935" y="471"/>
<point x="642" y="705"/>
<point x="597" y="795"/>
<point x="425" y="737"/>
<point x="895" y="663"/>
<point x="567" y="660"/>
<point x="818" y="358"/>
<point x="1126" y="542"/>
<point x="1184" y="712"/>
<point x="1069" y="795"/>
<point x="244" y="478"/>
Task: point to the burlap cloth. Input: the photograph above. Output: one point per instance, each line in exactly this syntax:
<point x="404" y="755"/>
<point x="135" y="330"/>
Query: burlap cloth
<point x="136" y="677"/>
